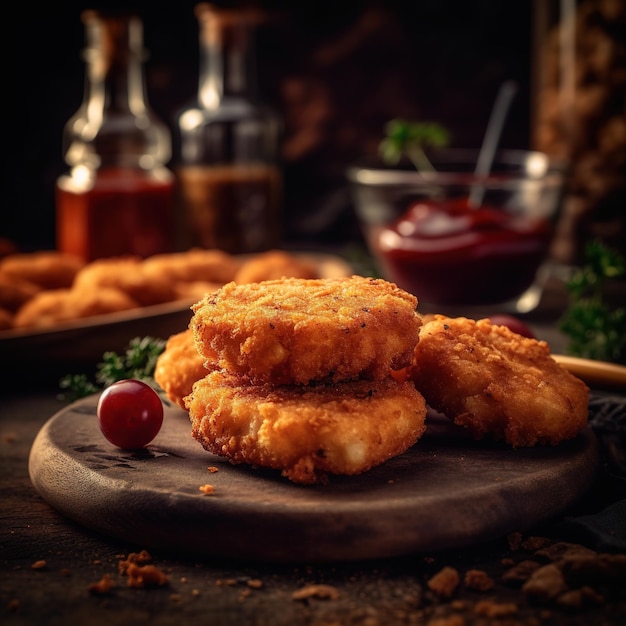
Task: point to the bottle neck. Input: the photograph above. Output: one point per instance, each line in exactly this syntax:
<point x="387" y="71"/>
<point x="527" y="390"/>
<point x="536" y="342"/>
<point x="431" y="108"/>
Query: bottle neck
<point x="114" y="56"/>
<point x="114" y="85"/>
<point x="114" y="126"/>
<point x="227" y="63"/>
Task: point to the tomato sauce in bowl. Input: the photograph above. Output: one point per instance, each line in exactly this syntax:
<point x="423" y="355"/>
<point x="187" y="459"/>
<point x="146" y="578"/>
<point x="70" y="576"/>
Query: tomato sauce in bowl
<point x="451" y="253"/>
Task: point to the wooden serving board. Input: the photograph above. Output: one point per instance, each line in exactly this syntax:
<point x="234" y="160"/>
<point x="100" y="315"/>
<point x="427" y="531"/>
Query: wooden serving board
<point x="447" y="491"/>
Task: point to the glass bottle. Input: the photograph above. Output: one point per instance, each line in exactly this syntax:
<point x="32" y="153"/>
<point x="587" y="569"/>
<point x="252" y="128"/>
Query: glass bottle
<point x="118" y="196"/>
<point x="230" y="183"/>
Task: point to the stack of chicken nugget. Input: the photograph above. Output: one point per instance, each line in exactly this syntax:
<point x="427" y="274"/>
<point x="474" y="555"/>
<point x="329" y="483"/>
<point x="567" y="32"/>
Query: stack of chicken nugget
<point x="299" y="375"/>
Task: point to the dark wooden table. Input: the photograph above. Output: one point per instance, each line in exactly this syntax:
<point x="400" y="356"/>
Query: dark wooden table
<point x="53" y="571"/>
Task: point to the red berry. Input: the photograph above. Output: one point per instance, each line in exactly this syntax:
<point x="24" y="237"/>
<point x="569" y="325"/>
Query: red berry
<point x="130" y="414"/>
<point x="512" y="323"/>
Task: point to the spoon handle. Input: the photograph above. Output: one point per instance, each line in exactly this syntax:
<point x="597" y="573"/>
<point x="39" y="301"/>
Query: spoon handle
<point x="594" y="373"/>
<point x="492" y="138"/>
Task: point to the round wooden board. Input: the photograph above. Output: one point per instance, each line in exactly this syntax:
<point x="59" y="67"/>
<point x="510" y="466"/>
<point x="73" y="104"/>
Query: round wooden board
<point x="447" y="491"/>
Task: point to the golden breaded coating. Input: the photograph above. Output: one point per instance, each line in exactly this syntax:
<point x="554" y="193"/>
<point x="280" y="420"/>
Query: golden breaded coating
<point x="273" y="265"/>
<point x="179" y="366"/>
<point x="15" y="292"/>
<point x="194" y="291"/>
<point x="294" y="330"/>
<point x="6" y="319"/>
<point x="495" y="382"/>
<point x="307" y="432"/>
<point x="127" y="275"/>
<point x="197" y="264"/>
<point x="54" y="306"/>
<point x="49" y="269"/>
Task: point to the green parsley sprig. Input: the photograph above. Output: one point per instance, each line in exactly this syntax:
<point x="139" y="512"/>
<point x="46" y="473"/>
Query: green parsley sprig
<point x="411" y="139"/>
<point x="595" y="329"/>
<point x="138" y="362"/>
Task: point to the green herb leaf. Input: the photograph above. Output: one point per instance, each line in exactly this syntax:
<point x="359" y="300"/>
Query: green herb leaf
<point x="138" y="362"/>
<point x="411" y="139"/>
<point x="595" y="330"/>
<point x="76" y="386"/>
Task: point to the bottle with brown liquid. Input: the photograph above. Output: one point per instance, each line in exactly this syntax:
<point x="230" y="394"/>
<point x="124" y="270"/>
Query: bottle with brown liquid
<point x="118" y="196"/>
<point x="230" y="184"/>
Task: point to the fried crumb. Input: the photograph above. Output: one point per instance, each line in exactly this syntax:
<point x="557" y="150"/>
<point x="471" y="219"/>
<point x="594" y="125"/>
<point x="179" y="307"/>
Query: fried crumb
<point x="521" y="572"/>
<point x="322" y="592"/>
<point x="9" y="437"/>
<point x="140" y="572"/>
<point x="176" y="597"/>
<point x="535" y="543"/>
<point x="445" y="582"/>
<point x="478" y="580"/>
<point x="459" y="605"/>
<point x="546" y="583"/>
<point x="448" y="620"/>
<point x="579" y="598"/>
<point x="103" y="587"/>
<point x="491" y="609"/>
<point x="254" y="583"/>
<point x="207" y="489"/>
<point x="212" y="469"/>
<point x="40" y="564"/>
<point x="145" y="576"/>
<point x="607" y="570"/>
<point x="564" y="550"/>
<point x="138" y="558"/>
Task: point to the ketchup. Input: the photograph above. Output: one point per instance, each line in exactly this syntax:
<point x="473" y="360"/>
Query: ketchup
<point x="120" y="212"/>
<point x="449" y="253"/>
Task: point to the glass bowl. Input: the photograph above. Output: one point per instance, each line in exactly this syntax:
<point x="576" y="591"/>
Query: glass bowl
<point x="459" y="241"/>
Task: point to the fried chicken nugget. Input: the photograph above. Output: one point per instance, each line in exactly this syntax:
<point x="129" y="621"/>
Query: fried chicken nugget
<point x="54" y="306"/>
<point x="179" y="366"/>
<point x="296" y="330"/>
<point x="272" y="265"/>
<point x="495" y="382"/>
<point x="127" y="275"/>
<point x="49" y="269"/>
<point x="307" y="432"/>
<point x="6" y="319"/>
<point x="15" y="292"/>
<point x="195" y="265"/>
<point x="196" y="290"/>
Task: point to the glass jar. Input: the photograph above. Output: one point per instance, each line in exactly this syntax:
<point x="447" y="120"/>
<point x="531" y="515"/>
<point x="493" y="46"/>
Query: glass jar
<point x="580" y="116"/>
<point x="118" y="196"/>
<point x="229" y="179"/>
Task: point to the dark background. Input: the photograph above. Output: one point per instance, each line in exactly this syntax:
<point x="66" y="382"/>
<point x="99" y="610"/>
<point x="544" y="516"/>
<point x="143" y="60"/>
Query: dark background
<point x="335" y="71"/>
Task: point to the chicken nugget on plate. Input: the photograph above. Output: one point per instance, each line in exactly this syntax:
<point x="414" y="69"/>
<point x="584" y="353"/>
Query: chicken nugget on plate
<point x="179" y="366"/>
<point x="496" y="383"/>
<point x="127" y="275"/>
<point x="306" y="431"/>
<point x="54" y="306"/>
<point x="295" y="330"/>
<point x="197" y="264"/>
<point x="49" y="269"/>
<point x="15" y="292"/>
<point x="6" y="319"/>
<point x="272" y="265"/>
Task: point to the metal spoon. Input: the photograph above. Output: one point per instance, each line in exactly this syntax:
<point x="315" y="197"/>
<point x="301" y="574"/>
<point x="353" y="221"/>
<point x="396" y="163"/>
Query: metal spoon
<point x="491" y="139"/>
